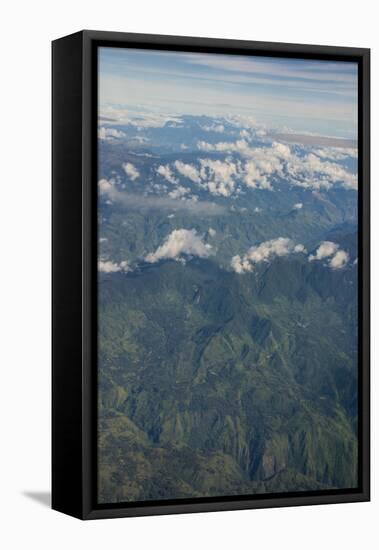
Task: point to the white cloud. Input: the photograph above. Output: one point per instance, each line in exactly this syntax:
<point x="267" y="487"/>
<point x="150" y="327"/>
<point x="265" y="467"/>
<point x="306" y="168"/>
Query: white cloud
<point x="311" y="171"/>
<point x="263" y="161"/>
<point x="130" y="170"/>
<point x="212" y="232"/>
<point x="298" y="206"/>
<point x="254" y="178"/>
<point x="107" y="266"/>
<point x="239" y="146"/>
<point x="336" y="153"/>
<point x="265" y="252"/>
<point x="142" y="119"/>
<point x="188" y="170"/>
<point x="165" y="172"/>
<point x="258" y="168"/>
<point x="179" y="192"/>
<point x="218" y="128"/>
<point x="179" y="242"/>
<point x="131" y="201"/>
<point x="105" y="133"/>
<point x="244" y="134"/>
<point x="248" y="122"/>
<point x="218" y="176"/>
<point x="278" y="161"/>
<point x="105" y="186"/>
<point x="325" y="250"/>
<point x="339" y="260"/>
<point x="328" y="249"/>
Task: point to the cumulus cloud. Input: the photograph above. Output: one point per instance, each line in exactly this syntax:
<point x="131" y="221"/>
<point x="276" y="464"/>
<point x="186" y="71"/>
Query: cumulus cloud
<point x="239" y="146"/>
<point x="311" y="172"/>
<point x="254" y="178"/>
<point x="179" y="192"/>
<point x="106" y="187"/>
<point x="265" y="252"/>
<point x="270" y="162"/>
<point x="130" y="170"/>
<point x="339" y="260"/>
<point x="107" y="266"/>
<point x="218" y="128"/>
<point x="330" y="250"/>
<point x="188" y="170"/>
<point x="248" y="122"/>
<point x="336" y="153"/>
<point x="298" y="206"/>
<point x="104" y="133"/>
<point x="325" y="250"/>
<point x="218" y="176"/>
<point x="179" y="242"/>
<point x="258" y="168"/>
<point x="262" y="162"/>
<point x="244" y="134"/>
<point x="165" y="172"/>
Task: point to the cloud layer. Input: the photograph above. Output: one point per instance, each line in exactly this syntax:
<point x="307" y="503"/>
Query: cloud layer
<point x="268" y="163"/>
<point x="108" y="189"/>
<point x="260" y="167"/>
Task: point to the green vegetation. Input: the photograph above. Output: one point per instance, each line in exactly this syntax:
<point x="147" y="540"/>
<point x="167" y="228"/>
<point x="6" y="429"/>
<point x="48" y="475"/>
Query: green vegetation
<point x="212" y="383"/>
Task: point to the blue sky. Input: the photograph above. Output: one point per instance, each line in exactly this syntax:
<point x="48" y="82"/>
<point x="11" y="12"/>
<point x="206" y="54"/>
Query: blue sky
<point x="305" y="96"/>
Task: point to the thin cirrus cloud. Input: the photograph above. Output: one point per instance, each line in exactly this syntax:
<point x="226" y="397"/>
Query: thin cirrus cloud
<point x="303" y="94"/>
<point x="178" y="243"/>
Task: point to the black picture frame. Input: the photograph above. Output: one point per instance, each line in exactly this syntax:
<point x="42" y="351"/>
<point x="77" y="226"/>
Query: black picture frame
<point x="74" y="295"/>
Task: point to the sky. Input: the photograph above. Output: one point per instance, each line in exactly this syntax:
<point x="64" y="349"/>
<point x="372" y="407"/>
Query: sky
<point x="309" y="96"/>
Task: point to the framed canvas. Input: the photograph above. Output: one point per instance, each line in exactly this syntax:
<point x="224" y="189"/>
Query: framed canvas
<point x="210" y="275"/>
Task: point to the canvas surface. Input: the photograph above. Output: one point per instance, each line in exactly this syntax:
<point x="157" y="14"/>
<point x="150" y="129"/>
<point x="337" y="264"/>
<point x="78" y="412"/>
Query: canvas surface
<point x="227" y="295"/>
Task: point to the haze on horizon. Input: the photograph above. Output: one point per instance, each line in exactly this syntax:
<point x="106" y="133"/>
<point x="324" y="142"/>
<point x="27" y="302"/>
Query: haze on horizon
<point x="305" y="96"/>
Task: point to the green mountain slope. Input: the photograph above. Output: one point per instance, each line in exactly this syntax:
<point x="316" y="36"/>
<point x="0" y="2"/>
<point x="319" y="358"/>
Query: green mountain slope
<point x="212" y="383"/>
